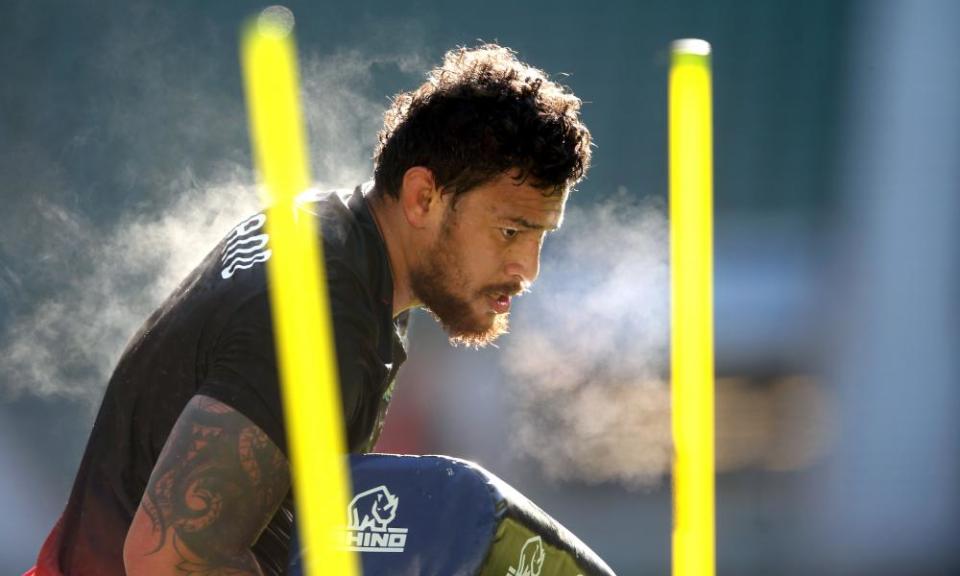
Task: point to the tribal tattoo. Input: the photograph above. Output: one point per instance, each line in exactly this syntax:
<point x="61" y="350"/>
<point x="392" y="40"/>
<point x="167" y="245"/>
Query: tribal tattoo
<point x="216" y="484"/>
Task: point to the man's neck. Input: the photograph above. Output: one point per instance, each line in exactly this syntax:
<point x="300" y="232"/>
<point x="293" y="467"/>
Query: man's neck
<point x="387" y="216"/>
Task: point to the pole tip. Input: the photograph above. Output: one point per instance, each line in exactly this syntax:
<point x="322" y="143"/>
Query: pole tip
<point x="275" y="21"/>
<point x="692" y="46"/>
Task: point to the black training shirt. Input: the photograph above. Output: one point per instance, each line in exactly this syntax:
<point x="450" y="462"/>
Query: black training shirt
<point x="213" y="336"/>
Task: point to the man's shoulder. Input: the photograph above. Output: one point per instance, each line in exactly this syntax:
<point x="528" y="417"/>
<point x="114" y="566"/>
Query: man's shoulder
<point x="338" y="223"/>
<point x="351" y="244"/>
<point x="354" y="254"/>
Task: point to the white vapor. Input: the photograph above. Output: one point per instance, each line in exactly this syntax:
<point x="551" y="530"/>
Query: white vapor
<point x="342" y="119"/>
<point x="105" y="281"/>
<point x="67" y="345"/>
<point x="587" y="357"/>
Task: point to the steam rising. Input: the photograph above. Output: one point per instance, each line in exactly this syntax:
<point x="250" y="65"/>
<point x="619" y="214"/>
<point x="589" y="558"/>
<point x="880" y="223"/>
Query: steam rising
<point x="342" y="118"/>
<point x="588" y="354"/>
<point x="103" y="281"/>
<point x="68" y="344"/>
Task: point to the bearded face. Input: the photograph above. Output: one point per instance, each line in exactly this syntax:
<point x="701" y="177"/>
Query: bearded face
<point x="486" y="250"/>
<point x="443" y="284"/>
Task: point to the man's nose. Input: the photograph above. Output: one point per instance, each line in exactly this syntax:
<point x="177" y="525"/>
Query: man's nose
<point x="525" y="263"/>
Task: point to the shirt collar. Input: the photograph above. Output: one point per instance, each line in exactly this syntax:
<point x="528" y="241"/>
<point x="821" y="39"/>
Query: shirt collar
<point x="357" y="203"/>
<point x="395" y="347"/>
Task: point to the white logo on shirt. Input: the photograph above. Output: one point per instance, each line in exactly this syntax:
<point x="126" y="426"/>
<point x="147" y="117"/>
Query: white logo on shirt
<point x="245" y="248"/>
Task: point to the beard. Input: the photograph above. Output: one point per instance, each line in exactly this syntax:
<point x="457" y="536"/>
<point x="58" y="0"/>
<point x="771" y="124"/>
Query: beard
<point x="439" y="284"/>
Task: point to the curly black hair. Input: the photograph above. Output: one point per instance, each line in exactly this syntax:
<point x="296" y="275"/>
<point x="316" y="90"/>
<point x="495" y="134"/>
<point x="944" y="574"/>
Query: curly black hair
<point x="481" y="114"/>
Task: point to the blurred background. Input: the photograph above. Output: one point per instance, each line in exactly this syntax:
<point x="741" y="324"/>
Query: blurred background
<point x="124" y="157"/>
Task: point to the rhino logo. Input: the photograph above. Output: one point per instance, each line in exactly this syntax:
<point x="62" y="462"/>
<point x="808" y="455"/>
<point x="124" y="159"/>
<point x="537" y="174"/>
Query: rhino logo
<point x="531" y="560"/>
<point x="368" y="518"/>
<point x="374" y="509"/>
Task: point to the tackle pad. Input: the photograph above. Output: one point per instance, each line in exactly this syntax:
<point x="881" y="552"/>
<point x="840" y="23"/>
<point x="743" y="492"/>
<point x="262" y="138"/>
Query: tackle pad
<point x="440" y="516"/>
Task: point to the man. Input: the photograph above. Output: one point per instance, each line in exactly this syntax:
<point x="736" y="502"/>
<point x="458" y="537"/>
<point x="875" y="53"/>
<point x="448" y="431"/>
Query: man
<point x="185" y="471"/>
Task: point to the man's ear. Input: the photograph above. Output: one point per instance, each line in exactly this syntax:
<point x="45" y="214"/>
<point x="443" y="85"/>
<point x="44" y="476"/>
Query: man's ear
<point x="420" y="197"/>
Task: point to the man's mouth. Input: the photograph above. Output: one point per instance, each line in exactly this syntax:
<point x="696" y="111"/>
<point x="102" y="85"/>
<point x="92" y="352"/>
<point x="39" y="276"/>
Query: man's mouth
<point x="499" y="303"/>
<point x="499" y="296"/>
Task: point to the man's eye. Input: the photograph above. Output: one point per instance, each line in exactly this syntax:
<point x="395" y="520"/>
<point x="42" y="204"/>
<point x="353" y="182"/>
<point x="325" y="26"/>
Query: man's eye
<point x="509" y="233"/>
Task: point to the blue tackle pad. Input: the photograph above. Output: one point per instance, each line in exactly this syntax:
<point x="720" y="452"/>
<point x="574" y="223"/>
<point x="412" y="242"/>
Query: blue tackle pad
<point x="440" y="516"/>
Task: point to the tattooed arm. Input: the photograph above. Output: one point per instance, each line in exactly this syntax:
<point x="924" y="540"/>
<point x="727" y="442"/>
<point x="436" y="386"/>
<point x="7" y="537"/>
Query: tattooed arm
<point x="218" y="481"/>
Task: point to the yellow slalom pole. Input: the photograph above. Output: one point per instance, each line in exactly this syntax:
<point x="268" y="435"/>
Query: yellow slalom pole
<point x="691" y="307"/>
<point x="298" y="295"/>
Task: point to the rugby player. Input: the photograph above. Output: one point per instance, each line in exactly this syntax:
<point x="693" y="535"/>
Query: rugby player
<point x="185" y="471"/>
